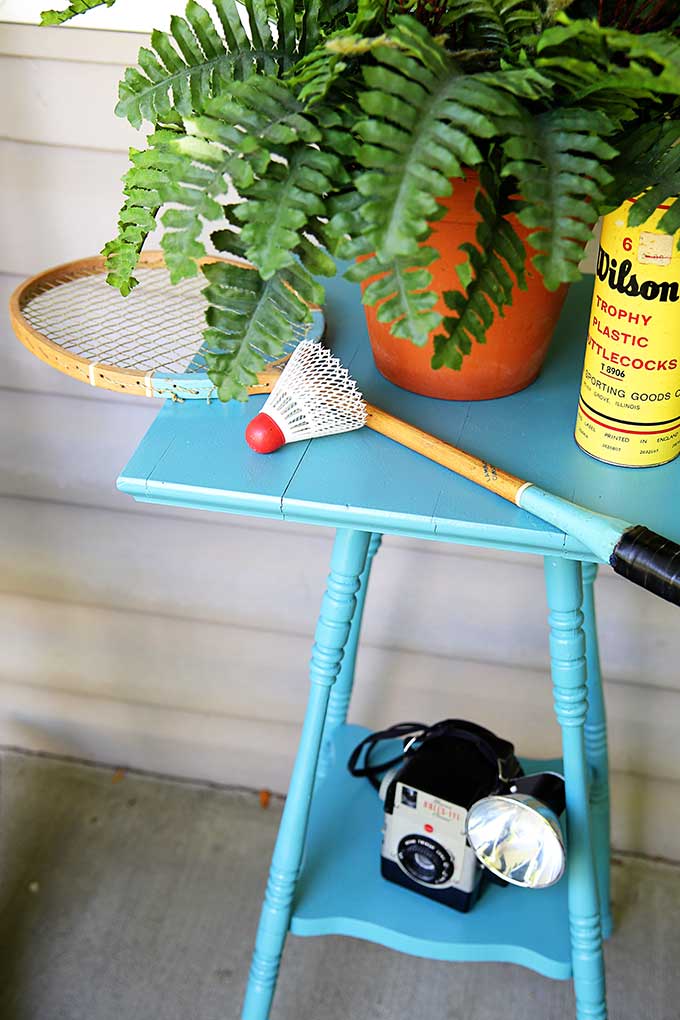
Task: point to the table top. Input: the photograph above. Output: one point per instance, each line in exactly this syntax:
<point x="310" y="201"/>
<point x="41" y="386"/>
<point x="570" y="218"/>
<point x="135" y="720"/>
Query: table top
<point x="195" y="455"/>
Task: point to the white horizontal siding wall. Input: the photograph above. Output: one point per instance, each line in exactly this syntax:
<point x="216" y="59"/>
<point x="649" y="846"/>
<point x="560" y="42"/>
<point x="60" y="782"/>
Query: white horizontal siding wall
<point x="178" y="640"/>
<point x="128" y="14"/>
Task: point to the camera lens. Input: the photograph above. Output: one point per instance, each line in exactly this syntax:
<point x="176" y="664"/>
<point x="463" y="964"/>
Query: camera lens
<point x="424" y="860"/>
<point x="424" y="865"/>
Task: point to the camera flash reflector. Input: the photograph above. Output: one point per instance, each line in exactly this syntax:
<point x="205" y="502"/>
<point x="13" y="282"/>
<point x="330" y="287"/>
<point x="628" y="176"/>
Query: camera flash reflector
<point x="518" y="838"/>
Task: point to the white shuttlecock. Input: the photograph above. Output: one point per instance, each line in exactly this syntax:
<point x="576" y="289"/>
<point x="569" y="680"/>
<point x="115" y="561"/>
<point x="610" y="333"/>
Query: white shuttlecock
<point x="315" y="396"/>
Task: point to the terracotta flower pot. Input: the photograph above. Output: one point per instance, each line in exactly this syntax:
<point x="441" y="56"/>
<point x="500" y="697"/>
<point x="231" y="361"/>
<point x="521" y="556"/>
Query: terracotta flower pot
<point x="516" y="345"/>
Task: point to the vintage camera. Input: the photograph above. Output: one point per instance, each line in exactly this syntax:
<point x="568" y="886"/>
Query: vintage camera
<point x="427" y="790"/>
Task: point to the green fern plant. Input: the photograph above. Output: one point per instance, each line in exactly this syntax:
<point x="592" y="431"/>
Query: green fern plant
<point x="306" y="131"/>
<point x="73" y="9"/>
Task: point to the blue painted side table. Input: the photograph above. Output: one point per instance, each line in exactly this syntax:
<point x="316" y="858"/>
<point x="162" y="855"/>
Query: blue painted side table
<point x="324" y="874"/>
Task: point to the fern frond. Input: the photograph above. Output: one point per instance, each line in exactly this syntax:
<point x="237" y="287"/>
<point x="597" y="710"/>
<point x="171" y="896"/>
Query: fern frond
<point x="402" y="292"/>
<point x="311" y="25"/>
<point x="158" y="176"/>
<point x="495" y="24"/>
<point x="558" y="160"/>
<point x="325" y="64"/>
<point x="315" y="74"/>
<point x="265" y="114"/>
<point x="401" y="288"/>
<point x="589" y="60"/>
<point x="281" y="205"/>
<point x="192" y="63"/>
<point x="75" y="8"/>
<point x="425" y="119"/>
<point x="486" y="276"/>
<point x="650" y="157"/>
<point x="136" y="220"/>
<point x="649" y="168"/>
<point x="250" y="319"/>
<point x="647" y="204"/>
<point x="256" y="137"/>
<point x="334" y="11"/>
<point x="283" y="197"/>
<point x="634" y="15"/>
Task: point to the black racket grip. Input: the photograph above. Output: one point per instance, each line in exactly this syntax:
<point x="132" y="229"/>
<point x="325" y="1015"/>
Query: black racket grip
<point x="650" y="560"/>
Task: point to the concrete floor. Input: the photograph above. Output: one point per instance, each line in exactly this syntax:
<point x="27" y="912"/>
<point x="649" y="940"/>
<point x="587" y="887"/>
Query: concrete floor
<point x="128" y="897"/>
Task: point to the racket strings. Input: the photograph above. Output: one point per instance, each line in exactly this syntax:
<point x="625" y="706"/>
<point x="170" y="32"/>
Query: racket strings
<point x="157" y="328"/>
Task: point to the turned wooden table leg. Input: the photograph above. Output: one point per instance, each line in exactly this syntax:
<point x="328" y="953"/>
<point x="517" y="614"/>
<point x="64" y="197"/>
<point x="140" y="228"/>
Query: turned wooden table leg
<point x="341" y="691"/>
<point x="332" y="633"/>
<point x="568" y="667"/>
<point x="596" y="750"/>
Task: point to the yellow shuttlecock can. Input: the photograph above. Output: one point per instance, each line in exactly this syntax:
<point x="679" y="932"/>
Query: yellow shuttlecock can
<point x="629" y="404"/>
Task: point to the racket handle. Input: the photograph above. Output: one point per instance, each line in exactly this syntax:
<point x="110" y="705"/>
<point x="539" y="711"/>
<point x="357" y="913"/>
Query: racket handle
<point x="635" y="552"/>
<point x="649" y="560"/>
<point x="462" y="463"/>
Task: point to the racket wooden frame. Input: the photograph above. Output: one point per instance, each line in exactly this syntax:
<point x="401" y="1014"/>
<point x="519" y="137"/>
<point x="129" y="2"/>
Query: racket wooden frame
<point x="157" y="384"/>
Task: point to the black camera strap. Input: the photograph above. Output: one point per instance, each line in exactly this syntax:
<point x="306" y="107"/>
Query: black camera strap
<point x="373" y="772"/>
<point x="500" y="753"/>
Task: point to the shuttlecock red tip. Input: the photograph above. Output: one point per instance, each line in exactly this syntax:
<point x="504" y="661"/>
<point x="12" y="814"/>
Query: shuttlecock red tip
<point x="263" y="434"/>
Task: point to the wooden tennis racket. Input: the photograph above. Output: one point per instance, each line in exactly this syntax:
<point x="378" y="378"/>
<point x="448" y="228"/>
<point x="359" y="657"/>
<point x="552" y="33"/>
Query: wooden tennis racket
<point x="149" y="343"/>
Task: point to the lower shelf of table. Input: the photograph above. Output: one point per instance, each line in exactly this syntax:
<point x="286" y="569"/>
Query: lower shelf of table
<point x="341" y="890"/>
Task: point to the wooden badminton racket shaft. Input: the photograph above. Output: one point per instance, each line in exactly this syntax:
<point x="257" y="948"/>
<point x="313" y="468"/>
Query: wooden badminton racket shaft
<point x="448" y="456"/>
